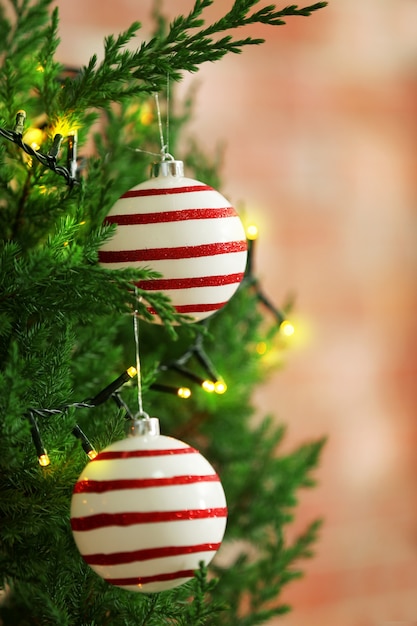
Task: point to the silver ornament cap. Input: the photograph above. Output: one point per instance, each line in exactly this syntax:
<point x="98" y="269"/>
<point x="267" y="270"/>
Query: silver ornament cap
<point x="169" y="167"/>
<point x="147" y="426"/>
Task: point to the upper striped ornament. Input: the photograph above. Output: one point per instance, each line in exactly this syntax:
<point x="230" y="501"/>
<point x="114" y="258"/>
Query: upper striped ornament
<point x="147" y="510"/>
<point x="186" y="231"/>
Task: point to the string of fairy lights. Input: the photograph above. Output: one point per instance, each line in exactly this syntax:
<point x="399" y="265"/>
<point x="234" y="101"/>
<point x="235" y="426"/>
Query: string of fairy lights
<point x="50" y="159"/>
<point x="184" y="365"/>
<point x="212" y="383"/>
<point x="105" y="394"/>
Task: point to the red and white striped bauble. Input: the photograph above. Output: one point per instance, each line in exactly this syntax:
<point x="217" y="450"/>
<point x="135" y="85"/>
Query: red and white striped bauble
<point x="147" y="510"/>
<point x="184" y="230"/>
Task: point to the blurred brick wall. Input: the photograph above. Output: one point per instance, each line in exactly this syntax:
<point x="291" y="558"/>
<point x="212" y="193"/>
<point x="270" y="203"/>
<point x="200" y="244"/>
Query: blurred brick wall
<point x="320" y="129"/>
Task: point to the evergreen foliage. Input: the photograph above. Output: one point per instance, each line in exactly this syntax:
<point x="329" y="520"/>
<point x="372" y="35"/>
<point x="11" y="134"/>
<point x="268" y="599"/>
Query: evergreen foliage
<point x="66" y="332"/>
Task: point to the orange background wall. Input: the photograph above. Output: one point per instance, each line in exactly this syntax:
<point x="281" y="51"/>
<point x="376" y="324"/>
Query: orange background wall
<point x="320" y="129"/>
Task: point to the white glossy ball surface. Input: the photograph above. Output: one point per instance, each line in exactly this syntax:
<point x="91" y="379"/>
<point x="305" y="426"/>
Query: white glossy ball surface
<point x="186" y="231"/>
<point x="146" y="511"/>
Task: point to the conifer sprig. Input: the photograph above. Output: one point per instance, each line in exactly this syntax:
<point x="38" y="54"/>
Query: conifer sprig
<point x="188" y="44"/>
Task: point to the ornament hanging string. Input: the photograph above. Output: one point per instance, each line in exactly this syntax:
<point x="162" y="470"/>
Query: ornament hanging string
<point x="141" y="413"/>
<point x="164" y="152"/>
<point x="164" y="144"/>
<point x="167" y="116"/>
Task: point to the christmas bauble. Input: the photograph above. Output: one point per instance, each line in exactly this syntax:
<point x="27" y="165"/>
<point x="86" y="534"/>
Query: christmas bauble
<point x="186" y="231"/>
<point x="147" y="510"/>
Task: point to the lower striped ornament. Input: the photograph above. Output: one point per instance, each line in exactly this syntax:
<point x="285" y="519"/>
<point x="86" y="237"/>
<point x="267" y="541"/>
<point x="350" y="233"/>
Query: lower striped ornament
<point x="146" y="511"/>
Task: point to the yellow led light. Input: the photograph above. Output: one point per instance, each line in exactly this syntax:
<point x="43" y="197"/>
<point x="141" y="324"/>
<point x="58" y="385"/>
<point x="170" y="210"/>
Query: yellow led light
<point x="92" y="454"/>
<point x="184" y="392"/>
<point x="64" y="127"/>
<point x="40" y="68"/>
<point x="208" y="385"/>
<point x="132" y="371"/>
<point x="34" y="137"/>
<point x="146" y="115"/>
<point x="252" y="232"/>
<point x="82" y="223"/>
<point x="44" y="460"/>
<point x="261" y="347"/>
<point x="286" y="328"/>
<point x="220" y="386"/>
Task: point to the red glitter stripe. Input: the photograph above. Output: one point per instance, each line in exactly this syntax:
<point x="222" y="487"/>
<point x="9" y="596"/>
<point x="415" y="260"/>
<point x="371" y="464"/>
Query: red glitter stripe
<point x="101" y="486"/>
<point x="101" y="520"/>
<point x="118" y="558"/>
<point x="187" y="283"/>
<point x="138" y="193"/>
<point x="180" y="252"/>
<point x="193" y="308"/>
<point x="199" y="308"/>
<point x="108" y="455"/>
<point x="170" y="216"/>
<point x="144" y="580"/>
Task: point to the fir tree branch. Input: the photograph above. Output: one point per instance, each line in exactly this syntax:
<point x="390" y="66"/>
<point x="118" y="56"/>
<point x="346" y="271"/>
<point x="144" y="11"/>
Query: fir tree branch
<point x="49" y="70"/>
<point x="25" y="29"/>
<point x="151" y="605"/>
<point x="123" y="73"/>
